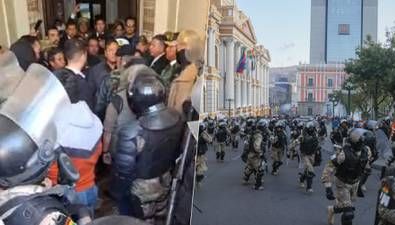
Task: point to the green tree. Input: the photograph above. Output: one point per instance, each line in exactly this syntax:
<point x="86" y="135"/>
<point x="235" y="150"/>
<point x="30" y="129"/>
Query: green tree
<point x="370" y="73"/>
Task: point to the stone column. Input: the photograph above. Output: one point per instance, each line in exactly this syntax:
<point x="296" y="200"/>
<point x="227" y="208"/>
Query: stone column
<point x="211" y="47"/>
<point x="238" y="80"/>
<point x="230" y="71"/>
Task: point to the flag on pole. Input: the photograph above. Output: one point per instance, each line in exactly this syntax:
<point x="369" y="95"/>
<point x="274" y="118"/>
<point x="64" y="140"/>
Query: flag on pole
<point x="242" y="62"/>
<point x="252" y="58"/>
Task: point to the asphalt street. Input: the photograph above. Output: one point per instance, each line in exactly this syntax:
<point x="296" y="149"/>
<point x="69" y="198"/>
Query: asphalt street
<point x="222" y="199"/>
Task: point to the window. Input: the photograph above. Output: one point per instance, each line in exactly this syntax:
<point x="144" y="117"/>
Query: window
<point x="309" y="111"/>
<point x="230" y="12"/>
<point x="310" y="97"/>
<point x="330" y="83"/>
<point x="344" y="29"/>
<point x="311" y="82"/>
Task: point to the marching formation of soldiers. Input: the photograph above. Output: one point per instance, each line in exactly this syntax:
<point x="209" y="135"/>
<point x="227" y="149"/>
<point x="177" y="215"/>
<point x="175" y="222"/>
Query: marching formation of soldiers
<point x="345" y="172"/>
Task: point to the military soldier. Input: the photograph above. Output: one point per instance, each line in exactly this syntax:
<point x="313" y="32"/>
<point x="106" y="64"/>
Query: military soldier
<point x="295" y="134"/>
<point x="234" y="131"/>
<point x="255" y="155"/>
<point x="309" y="146"/>
<point x="27" y="196"/>
<point x="348" y="165"/>
<point x="279" y="145"/>
<point x="221" y="135"/>
<point x="210" y="126"/>
<point x="201" y="165"/>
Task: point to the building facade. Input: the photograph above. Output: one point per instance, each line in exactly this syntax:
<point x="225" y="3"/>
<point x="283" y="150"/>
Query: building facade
<point x="17" y="17"/>
<point x="338" y="27"/>
<point x="230" y="34"/>
<point x="316" y="83"/>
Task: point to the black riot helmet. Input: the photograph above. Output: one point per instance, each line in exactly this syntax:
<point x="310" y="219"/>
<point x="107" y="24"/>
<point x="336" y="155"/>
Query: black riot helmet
<point x="28" y="130"/>
<point x="222" y="125"/>
<point x="16" y="149"/>
<point x="358" y="138"/>
<point x="250" y="122"/>
<point x="261" y="125"/>
<point x="146" y="92"/>
<point x="202" y="127"/>
<point x="310" y="128"/>
<point x="280" y="125"/>
<point x="371" y="125"/>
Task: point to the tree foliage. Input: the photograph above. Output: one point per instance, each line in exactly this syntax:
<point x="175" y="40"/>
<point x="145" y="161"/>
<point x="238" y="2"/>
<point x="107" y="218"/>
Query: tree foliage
<point x="372" y="74"/>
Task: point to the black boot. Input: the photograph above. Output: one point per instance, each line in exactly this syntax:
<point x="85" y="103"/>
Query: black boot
<point x="222" y="156"/>
<point x="309" y="182"/>
<point x="258" y="180"/>
<point x="218" y="154"/>
<point x="302" y="178"/>
<point x="275" y="168"/>
<point x="362" y="181"/>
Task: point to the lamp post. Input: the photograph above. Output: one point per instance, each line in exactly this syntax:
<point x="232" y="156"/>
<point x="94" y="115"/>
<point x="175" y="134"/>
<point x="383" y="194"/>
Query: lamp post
<point x="348" y="86"/>
<point x="334" y="99"/>
<point x="229" y="100"/>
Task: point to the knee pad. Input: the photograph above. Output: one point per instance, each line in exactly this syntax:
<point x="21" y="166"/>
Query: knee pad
<point x="347" y="216"/>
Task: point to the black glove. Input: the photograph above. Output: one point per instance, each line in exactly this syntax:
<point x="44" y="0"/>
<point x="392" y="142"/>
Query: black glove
<point x="329" y="193"/>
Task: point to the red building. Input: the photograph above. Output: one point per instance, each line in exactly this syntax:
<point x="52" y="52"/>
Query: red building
<point x="315" y="83"/>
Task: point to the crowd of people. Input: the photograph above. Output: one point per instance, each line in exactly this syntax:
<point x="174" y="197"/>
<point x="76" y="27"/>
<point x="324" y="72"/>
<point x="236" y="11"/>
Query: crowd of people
<point x="130" y="103"/>
<point x="357" y="145"/>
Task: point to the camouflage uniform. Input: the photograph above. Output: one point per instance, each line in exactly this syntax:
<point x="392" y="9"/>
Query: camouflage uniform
<point x="221" y="136"/>
<point x="254" y="160"/>
<point x="201" y="165"/>
<point x="279" y="145"/>
<point x="346" y="190"/>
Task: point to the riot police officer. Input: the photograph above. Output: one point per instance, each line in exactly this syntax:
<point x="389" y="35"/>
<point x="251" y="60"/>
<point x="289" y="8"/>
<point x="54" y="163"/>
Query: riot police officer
<point x="309" y="146"/>
<point x="348" y="164"/>
<point x="255" y="155"/>
<point x="203" y="141"/>
<point x="29" y="141"/>
<point x="221" y="136"/>
<point x="147" y="148"/>
<point x="279" y="146"/>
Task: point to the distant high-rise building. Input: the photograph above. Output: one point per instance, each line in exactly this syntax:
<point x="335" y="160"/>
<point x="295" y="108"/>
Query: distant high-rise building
<point x="338" y="27"/>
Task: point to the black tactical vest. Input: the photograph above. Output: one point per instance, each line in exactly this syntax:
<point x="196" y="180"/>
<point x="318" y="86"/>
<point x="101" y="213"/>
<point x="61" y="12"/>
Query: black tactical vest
<point x="235" y="129"/>
<point x="309" y="145"/>
<point x="353" y="166"/>
<point x="161" y="144"/>
<point x="221" y="135"/>
<point x="281" y="141"/>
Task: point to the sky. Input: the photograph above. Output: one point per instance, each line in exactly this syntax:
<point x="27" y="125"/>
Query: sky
<point x="283" y="27"/>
